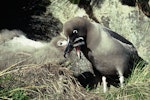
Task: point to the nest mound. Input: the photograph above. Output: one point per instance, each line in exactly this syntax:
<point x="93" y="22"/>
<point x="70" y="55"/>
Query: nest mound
<point x="46" y="81"/>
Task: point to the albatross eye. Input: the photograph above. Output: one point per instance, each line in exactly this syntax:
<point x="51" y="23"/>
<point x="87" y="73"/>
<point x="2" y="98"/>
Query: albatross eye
<point x="73" y="34"/>
<point x="75" y="31"/>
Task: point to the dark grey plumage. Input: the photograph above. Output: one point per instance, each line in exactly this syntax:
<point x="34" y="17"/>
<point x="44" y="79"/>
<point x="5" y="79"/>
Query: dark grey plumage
<point x="111" y="55"/>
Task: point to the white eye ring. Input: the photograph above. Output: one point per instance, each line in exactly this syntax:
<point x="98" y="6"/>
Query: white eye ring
<point x="75" y="31"/>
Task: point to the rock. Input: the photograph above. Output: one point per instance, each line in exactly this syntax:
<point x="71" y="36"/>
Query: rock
<point x="29" y="16"/>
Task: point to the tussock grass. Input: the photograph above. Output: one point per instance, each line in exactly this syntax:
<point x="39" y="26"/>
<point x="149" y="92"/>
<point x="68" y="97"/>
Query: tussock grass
<point x="136" y="88"/>
<point x="41" y="82"/>
<point x="54" y="82"/>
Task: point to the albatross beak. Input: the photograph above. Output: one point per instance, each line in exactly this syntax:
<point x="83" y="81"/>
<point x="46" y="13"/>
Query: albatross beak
<point x="68" y="48"/>
<point x="76" y="44"/>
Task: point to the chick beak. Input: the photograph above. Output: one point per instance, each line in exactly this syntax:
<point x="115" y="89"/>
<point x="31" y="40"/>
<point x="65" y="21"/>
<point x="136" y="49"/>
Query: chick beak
<point x="78" y="52"/>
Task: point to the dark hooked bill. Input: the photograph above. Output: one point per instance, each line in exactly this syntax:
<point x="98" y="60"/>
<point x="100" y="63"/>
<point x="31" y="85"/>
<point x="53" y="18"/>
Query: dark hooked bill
<point x="68" y="49"/>
<point x="76" y="44"/>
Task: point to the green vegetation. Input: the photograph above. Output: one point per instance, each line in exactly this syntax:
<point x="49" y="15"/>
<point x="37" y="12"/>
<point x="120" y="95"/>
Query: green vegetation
<point x="137" y="87"/>
<point x="14" y="93"/>
<point x="75" y="1"/>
